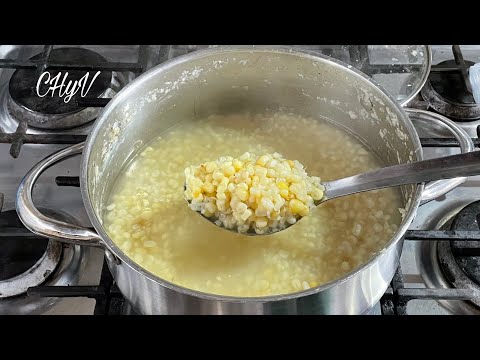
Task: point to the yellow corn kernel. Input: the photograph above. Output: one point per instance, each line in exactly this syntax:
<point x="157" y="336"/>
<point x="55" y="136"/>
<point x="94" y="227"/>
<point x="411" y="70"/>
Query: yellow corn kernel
<point x="197" y="192"/>
<point x="271" y="173"/>
<point x="242" y="186"/>
<point x="242" y="194"/>
<point x="246" y="214"/>
<point x="210" y="166"/>
<point x="305" y="211"/>
<point x="229" y="171"/>
<point x="262" y="160"/>
<point x="237" y="164"/>
<point x="217" y="175"/>
<point x="207" y="213"/>
<point x="282" y="185"/>
<point x="208" y="187"/>
<point x="316" y="194"/>
<point x="210" y="207"/>
<point x="291" y="163"/>
<point x="297" y="207"/>
<point x="261" y="221"/>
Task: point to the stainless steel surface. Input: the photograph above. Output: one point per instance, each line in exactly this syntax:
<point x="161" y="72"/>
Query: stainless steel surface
<point x="402" y="70"/>
<point x="78" y="265"/>
<point x="42" y="225"/>
<point x="447" y="167"/>
<point x="419" y="259"/>
<point x="422" y="78"/>
<point x="258" y="79"/>
<point x="438" y="188"/>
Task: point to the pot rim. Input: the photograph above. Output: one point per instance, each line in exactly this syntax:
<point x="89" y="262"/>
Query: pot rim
<point x="124" y="93"/>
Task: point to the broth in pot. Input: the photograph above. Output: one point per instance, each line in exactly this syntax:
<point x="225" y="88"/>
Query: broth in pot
<point x="148" y="218"/>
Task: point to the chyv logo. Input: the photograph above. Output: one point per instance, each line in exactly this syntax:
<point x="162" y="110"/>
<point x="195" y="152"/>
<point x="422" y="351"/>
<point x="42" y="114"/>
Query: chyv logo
<point x="64" y="90"/>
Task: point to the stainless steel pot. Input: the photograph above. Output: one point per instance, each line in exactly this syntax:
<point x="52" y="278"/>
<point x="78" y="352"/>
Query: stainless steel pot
<point x="223" y="80"/>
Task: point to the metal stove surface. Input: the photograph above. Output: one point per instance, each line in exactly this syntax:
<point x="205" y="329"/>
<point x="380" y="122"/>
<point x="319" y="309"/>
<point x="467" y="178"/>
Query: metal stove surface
<point x="433" y="216"/>
<point x="51" y="196"/>
<point x="47" y="194"/>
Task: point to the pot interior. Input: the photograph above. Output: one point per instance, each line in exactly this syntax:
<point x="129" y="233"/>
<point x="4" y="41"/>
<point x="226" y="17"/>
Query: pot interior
<point x="235" y="80"/>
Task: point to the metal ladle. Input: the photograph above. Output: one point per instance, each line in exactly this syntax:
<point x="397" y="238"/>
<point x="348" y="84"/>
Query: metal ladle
<point x="411" y="173"/>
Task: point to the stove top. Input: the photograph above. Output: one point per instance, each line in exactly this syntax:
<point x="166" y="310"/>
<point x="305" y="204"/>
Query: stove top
<point x="440" y="263"/>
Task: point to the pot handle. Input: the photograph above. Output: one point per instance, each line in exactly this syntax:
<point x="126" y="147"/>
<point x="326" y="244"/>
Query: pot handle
<point x="438" y="188"/>
<point x="42" y="225"/>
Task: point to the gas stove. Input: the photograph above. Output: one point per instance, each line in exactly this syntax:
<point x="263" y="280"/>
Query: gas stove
<point x="439" y="271"/>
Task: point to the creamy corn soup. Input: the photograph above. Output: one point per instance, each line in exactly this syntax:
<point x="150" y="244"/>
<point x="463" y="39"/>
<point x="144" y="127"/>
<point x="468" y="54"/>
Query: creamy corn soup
<point x="149" y="219"/>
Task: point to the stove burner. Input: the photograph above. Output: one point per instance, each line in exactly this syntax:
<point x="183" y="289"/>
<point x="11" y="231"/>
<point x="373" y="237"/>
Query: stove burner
<point x="446" y="93"/>
<point x="24" y="261"/>
<point x="23" y="82"/>
<point x="463" y="272"/>
<point x="51" y="112"/>
<point x="468" y="219"/>
<point x="19" y="255"/>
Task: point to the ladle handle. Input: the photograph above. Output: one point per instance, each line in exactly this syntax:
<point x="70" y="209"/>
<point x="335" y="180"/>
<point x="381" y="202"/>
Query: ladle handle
<point x="411" y="173"/>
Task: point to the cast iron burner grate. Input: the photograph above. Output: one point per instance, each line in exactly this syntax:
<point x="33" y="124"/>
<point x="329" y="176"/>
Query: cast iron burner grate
<point x="23" y="83"/>
<point x="448" y="90"/>
<point x="18" y="253"/>
<point x="45" y="61"/>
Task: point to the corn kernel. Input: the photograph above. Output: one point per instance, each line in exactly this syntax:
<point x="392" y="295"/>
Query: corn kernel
<point x="229" y="171"/>
<point x="211" y="207"/>
<point x="316" y="194"/>
<point x="242" y="194"/>
<point x="237" y="164"/>
<point x="262" y="160"/>
<point x="261" y="222"/>
<point x="267" y="203"/>
<point x="296" y="206"/>
<point x="282" y="185"/>
<point x="208" y="187"/>
<point x="217" y="175"/>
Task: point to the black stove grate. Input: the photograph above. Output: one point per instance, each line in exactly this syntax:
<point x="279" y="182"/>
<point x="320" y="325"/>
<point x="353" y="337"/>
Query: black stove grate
<point x="43" y="63"/>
